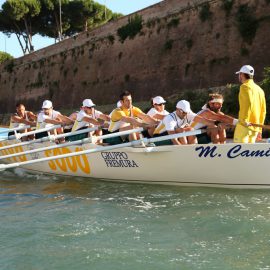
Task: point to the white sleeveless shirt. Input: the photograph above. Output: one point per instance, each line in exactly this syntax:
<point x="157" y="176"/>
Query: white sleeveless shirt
<point x="42" y="117"/>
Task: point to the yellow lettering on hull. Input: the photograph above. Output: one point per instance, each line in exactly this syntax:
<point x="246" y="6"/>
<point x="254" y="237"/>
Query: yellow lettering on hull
<point x="71" y="164"/>
<point x="13" y="150"/>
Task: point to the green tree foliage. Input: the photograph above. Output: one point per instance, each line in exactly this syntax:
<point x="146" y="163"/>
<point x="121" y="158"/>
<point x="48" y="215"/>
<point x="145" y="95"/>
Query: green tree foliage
<point x="4" y="57"/>
<point x="48" y="21"/>
<point x="86" y="14"/>
<point x="115" y="16"/>
<point x="79" y="13"/>
<point x="17" y="16"/>
<point x="131" y="29"/>
<point x="25" y="18"/>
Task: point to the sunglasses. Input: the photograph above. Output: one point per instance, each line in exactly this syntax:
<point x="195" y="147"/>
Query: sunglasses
<point x="160" y="104"/>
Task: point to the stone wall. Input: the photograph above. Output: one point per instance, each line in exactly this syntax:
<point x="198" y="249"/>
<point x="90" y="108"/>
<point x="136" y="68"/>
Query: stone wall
<point x="182" y="45"/>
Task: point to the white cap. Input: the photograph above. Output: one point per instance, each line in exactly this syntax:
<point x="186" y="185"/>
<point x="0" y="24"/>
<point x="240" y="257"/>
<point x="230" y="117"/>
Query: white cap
<point x="47" y="104"/>
<point x="247" y="69"/>
<point x="158" y="100"/>
<point x="119" y="104"/>
<point x="184" y="106"/>
<point x="88" y="103"/>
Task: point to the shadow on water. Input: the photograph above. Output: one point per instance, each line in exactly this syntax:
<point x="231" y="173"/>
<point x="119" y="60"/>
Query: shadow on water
<point x="20" y="181"/>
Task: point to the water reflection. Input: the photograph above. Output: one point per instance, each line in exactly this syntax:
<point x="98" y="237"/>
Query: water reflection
<point x="41" y="186"/>
<point x="20" y="181"/>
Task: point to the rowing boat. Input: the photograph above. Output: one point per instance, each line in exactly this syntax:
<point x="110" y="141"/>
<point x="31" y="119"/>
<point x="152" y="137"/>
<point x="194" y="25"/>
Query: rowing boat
<point x="229" y="165"/>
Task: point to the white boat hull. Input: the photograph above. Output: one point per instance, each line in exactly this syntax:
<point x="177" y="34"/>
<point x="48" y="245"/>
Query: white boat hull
<point x="229" y="165"/>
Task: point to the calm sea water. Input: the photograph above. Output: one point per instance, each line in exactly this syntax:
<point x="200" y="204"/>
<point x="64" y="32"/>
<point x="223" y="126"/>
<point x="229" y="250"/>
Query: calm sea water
<point x="73" y="223"/>
<point x="51" y="222"/>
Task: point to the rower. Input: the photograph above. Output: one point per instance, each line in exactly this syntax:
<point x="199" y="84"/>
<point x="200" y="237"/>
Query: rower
<point x="49" y="117"/>
<point x="22" y="118"/>
<point x="126" y="117"/>
<point x="157" y="111"/>
<point x="87" y="117"/>
<point x="212" y="110"/>
<point x="179" y="121"/>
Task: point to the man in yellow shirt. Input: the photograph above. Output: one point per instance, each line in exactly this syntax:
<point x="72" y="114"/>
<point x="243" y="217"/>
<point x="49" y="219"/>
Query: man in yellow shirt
<point x="252" y="107"/>
<point x="128" y="117"/>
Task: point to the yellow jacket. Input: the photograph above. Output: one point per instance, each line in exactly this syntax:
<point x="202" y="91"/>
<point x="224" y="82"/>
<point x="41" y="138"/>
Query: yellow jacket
<point x="252" y="104"/>
<point x="118" y="113"/>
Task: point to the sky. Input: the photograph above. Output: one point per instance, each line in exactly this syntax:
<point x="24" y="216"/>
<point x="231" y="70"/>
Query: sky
<point x="11" y="45"/>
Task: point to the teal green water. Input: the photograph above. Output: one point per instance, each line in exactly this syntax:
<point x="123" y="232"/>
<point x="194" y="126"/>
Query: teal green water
<point x="71" y="223"/>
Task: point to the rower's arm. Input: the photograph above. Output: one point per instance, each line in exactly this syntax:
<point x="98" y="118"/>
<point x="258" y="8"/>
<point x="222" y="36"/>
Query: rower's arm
<point x="158" y="116"/>
<point x="134" y="122"/>
<point x="105" y="117"/>
<point x="218" y="117"/>
<point x="33" y="116"/>
<point x="53" y="121"/>
<point x="17" y="119"/>
<point x="204" y="121"/>
<point x="73" y="116"/>
<point x="65" y="119"/>
<point x="91" y="121"/>
<point x="148" y="119"/>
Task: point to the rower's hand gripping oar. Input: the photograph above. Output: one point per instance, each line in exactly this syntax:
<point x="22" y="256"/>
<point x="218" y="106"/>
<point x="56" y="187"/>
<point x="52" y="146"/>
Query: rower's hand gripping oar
<point x="103" y="148"/>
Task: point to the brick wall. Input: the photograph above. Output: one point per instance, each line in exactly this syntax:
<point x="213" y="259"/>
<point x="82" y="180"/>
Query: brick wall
<point x="174" y="51"/>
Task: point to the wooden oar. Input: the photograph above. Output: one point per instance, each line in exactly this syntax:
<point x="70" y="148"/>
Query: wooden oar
<point x="78" y="142"/>
<point x="49" y="138"/>
<point x="21" y="135"/>
<point x="14" y="129"/>
<point x="260" y="126"/>
<point x="103" y="148"/>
